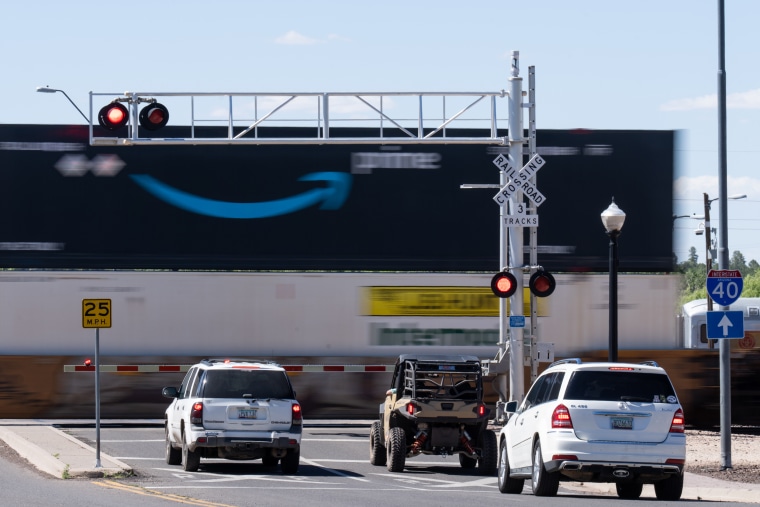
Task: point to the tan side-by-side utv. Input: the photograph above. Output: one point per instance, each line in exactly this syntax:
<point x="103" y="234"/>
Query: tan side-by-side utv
<point x="434" y="406"/>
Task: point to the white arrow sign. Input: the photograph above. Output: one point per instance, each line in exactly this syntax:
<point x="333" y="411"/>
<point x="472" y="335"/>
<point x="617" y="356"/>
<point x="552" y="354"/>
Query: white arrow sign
<point x="518" y="181"/>
<point x="725" y="323"/>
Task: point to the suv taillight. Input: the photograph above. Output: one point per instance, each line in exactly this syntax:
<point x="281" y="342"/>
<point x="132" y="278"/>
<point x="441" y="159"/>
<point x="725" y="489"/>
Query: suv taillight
<point x="295" y="410"/>
<point x="196" y="414"/>
<point x="561" y="417"/>
<point x="677" y="425"/>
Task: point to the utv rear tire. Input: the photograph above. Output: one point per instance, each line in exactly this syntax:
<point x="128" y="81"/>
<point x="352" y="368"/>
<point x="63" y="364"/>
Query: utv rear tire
<point x="467" y="462"/>
<point x="396" y="446"/>
<point x="173" y="456"/>
<point x="377" y="453"/>
<point x="490" y="454"/>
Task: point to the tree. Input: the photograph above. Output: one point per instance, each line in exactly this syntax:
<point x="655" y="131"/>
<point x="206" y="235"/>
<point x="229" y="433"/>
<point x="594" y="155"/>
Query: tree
<point x="737" y="262"/>
<point x="693" y="257"/>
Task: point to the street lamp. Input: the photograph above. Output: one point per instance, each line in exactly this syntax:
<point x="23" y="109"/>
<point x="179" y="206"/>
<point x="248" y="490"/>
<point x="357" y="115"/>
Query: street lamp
<point x="47" y="89"/>
<point x="612" y="219"/>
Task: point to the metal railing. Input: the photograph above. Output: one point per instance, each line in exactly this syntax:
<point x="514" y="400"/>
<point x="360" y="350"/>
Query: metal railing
<point x="336" y="118"/>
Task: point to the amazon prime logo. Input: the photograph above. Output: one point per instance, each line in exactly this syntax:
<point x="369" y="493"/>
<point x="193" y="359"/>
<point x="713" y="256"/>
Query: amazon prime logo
<point x="331" y="197"/>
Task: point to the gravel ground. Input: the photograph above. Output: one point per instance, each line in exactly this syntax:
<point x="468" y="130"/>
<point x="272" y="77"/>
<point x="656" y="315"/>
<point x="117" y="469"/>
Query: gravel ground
<point x="703" y="455"/>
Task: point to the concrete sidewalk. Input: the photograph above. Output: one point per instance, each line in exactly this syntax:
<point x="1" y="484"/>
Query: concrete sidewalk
<point x="55" y="452"/>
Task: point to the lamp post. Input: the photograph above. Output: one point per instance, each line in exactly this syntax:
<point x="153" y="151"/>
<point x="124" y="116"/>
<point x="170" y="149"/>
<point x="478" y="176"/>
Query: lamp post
<point x="612" y="219"/>
<point x="47" y="89"/>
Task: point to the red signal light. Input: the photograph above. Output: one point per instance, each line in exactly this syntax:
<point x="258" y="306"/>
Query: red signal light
<point x="88" y="362"/>
<point x="542" y="283"/>
<point x="113" y="116"/>
<point x="154" y="116"/>
<point x="504" y="284"/>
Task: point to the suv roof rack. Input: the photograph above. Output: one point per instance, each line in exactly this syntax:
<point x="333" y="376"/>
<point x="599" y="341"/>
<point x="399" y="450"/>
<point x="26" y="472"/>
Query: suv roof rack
<point x="570" y="360"/>
<point x="211" y="361"/>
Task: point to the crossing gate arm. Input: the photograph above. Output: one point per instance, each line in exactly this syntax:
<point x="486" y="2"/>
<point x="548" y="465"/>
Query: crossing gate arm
<point x="168" y="368"/>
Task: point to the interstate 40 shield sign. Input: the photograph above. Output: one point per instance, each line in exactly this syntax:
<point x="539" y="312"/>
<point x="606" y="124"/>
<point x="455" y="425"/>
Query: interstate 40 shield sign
<point x="724" y="286"/>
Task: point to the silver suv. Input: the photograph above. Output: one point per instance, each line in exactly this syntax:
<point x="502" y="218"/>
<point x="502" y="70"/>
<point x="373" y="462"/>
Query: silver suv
<point x="234" y="409"/>
<point x="595" y="422"/>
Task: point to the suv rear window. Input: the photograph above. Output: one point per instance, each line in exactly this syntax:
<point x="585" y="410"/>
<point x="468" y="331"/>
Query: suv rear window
<point x="246" y="383"/>
<point x="620" y="386"/>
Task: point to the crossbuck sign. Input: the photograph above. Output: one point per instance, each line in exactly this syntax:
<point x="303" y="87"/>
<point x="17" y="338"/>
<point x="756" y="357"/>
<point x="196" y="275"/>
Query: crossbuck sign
<point x="519" y="180"/>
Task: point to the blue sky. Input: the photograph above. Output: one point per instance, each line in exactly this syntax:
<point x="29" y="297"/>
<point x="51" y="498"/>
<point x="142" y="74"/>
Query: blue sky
<point x="600" y="64"/>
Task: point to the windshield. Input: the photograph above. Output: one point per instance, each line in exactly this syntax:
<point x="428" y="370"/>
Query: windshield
<point x="246" y="383"/>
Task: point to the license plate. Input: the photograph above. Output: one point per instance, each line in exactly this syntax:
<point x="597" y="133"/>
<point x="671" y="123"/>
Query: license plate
<point x="247" y="414"/>
<point x="622" y="423"/>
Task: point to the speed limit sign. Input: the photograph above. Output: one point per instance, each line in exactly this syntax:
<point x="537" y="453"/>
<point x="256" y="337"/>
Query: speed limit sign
<point x="724" y="286"/>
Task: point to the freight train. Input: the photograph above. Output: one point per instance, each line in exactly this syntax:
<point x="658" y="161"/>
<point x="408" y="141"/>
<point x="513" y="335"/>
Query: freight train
<point x="175" y="318"/>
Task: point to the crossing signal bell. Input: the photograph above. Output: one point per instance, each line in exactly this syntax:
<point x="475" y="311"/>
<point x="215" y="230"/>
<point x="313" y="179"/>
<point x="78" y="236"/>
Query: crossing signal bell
<point x="116" y="115"/>
<point x="504" y="284"/>
<point x="542" y="283"/>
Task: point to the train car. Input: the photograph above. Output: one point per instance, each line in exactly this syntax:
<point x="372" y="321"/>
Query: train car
<point x="177" y="318"/>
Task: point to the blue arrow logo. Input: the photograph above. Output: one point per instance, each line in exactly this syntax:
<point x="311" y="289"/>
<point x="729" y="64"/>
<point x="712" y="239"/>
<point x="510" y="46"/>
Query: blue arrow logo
<point x="332" y="197"/>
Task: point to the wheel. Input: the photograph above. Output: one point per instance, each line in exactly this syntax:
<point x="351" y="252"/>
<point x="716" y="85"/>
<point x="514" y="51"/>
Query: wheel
<point x="544" y="483"/>
<point x="670" y="488"/>
<point x="506" y="483"/>
<point x="269" y="461"/>
<point x="629" y="490"/>
<point x="173" y="456"/>
<point x="377" y="452"/>
<point x="191" y="460"/>
<point x="396" y="446"/>
<point x="467" y="462"/>
<point x="489" y="458"/>
<point x="289" y="463"/>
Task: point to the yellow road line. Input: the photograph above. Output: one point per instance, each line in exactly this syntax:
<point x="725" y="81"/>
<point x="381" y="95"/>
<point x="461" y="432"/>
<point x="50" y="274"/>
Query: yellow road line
<point x="149" y="492"/>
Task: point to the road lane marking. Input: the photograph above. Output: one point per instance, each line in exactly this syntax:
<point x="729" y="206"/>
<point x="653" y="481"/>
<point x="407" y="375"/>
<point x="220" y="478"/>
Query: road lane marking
<point x="158" y="494"/>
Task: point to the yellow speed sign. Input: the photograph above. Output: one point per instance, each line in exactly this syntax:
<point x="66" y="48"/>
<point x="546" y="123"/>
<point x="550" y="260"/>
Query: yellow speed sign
<point x="96" y="313"/>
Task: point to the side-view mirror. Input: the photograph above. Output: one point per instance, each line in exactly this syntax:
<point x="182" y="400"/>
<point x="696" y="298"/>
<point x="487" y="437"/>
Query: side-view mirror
<point x="169" y="392"/>
<point x="511" y="407"/>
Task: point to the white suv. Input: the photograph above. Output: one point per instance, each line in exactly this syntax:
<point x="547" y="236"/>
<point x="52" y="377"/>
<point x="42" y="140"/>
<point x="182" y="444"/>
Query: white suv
<point x="234" y="409"/>
<point x="595" y="422"/>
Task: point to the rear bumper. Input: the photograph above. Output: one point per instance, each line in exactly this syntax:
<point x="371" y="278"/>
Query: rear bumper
<point x="614" y="472"/>
<point x="245" y="440"/>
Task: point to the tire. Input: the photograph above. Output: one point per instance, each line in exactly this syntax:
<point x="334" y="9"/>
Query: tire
<point x="289" y="463"/>
<point x="544" y="483"/>
<point x="506" y="483"/>
<point x="490" y="454"/>
<point x="191" y="460"/>
<point x="377" y="452"/>
<point x="467" y="462"/>
<point x="173" y="456"/>
<point x="670" y="488"/>
<point x="629" y="490"/>
<point x="396" y="447"/>
<point x="269" y="461"/>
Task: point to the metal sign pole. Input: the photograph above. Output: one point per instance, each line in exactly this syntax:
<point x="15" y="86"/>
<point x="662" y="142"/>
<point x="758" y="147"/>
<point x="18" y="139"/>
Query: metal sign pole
<point x="516" y="140"/>
<point x="97" y="398"/>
